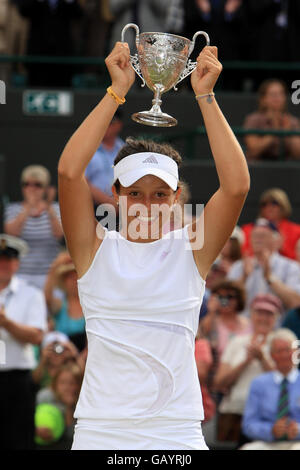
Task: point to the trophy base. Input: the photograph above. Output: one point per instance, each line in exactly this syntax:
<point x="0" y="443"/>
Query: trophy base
<point x="154" y="119"/>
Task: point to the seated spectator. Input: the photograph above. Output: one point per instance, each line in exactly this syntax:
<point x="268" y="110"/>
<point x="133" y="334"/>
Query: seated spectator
<point x="230" y="253"/>
<point x="22" y="324"/>
<point x="222" y="321"/>
<point x="56" y="350"/>
<point x="267" y="270"/>
<point x="67" y="312"/>
<point x="36" y="220"/>
<point x="63" y="393"/>
<point x="274" y="205"/>
<point x="244" y="358"/>
<point x="275" y="32"/>
<point x="204" y="361"/>
<point x="224" y="21"/>
<point x="13" y="36"/>
<point x="99" y="172"/>
<point x="149" y="15"/>
<point x="272" y="412"/>
<point x="272" y="114"/>
<point x="50" y="34"/>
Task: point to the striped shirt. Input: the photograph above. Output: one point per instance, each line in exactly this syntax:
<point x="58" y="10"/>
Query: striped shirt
<point x="37" y="232"/>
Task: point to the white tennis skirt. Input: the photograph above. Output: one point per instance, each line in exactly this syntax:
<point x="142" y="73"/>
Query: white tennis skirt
<point x="141" y="434"/>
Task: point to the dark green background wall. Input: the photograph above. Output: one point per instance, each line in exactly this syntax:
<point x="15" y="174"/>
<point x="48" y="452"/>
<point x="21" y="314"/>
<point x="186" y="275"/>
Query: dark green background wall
<point x="26" y="139"/>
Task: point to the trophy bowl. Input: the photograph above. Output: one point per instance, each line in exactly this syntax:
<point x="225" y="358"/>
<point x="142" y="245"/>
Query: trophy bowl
<point x="162" y="61"/>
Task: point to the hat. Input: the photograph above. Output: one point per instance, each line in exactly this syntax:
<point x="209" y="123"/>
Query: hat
<point x="135" y="166"/>
<point x="261" y="222"/>
<point x="61" y="270"/>
<point x="54" y="337"/>
<point x="12" y="247"/>
<point x="238" y="234"/>
<point x="37" y="172"/>
<point x="267" y="302"/>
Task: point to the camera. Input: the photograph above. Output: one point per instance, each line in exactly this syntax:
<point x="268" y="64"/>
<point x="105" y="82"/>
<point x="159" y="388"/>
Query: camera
<point x="58" y="348"/>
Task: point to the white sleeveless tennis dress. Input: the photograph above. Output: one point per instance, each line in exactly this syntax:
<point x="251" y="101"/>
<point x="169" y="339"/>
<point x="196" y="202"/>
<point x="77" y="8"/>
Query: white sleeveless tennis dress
<point x="141" y="303"/>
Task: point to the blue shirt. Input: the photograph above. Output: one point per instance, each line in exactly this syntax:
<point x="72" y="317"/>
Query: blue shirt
<point x="262" y="404"/>
<point x="99" y="171"/>
<point x="66" y="324"/>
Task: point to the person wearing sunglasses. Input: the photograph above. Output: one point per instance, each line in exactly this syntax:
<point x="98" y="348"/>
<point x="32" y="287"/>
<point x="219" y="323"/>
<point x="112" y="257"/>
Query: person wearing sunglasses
<point x="222" y="321"/>
<point x="274" y="205"/>
<point x="35" y="219"/>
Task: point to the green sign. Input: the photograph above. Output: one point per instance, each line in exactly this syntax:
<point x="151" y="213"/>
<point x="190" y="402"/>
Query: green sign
<point x="47" y="103"/>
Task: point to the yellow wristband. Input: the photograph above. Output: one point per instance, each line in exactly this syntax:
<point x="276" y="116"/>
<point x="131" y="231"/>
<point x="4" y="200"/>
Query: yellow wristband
<point x="209" y="95"/>
<point x="115" y="96"/>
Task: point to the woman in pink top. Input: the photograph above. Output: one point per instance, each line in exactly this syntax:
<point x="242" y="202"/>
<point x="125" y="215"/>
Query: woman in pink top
<point x="222" y="320"/>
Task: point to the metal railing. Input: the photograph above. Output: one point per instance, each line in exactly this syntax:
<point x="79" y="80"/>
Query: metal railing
<point x="80" y="60"/>
<point x="189" y="137"/>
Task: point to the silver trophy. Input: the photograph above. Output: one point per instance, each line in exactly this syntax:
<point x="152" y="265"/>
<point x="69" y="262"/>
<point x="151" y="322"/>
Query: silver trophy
<point x="162" y="61"/>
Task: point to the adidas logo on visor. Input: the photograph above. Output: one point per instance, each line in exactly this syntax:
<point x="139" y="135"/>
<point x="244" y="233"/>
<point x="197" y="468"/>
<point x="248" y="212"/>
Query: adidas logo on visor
<point x="150" y="159"/>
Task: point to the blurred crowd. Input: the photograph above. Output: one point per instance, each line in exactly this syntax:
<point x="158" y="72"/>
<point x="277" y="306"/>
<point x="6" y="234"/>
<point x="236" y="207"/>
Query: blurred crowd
<point x="242" y="29"/>
<point x="249" y="324"/>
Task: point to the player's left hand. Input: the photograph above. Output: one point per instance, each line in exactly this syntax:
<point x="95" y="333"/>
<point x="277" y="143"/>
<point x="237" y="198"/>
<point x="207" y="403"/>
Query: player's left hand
<point x="204" y="77"/>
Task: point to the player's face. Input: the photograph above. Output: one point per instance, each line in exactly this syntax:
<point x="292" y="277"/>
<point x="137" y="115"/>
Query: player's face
<point x="149" y="202"/>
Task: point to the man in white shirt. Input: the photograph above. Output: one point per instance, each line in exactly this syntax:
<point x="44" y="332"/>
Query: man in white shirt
<point x="267" y="271"/>
<point x="23" y="318"/>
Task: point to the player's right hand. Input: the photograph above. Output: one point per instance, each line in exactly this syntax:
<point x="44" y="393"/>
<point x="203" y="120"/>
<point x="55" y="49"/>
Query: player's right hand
<point x="121" y="72"/>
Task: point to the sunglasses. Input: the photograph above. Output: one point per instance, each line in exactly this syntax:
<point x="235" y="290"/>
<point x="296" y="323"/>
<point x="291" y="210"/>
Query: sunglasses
<point x="28" y="184"/>
<point x="226" y="298"/>
<point x="272" y="203"/>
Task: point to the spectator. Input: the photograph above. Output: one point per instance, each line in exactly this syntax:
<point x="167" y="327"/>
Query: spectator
<point x="222" y="321"/>
<point x="50" y="34"/>
<point x="230" y="253"/>
<point x="149" y="15"/>
<point x="244" y="358"/>
<point x="56" y="350"/>
<point x="274" y="29"/>
<point x="272" y="114"/>
<point x="266" y="270"/>
<point x="272" y="412"/>
<point x="67" y="312"/>
<point x="99" y="171"/>
<point x="22" y="322"/>
<point x="224" y="21"/>
<point x="96" y="23"/>
<point x="274" y="205"/>
<point x="204" y="361"/>
<point x="37" y="221"/>
<point x="13" y="36"/>
<point x="63" y="393"/>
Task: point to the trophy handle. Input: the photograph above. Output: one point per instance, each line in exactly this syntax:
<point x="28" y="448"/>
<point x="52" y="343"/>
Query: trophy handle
<point x="190" y="66"/>
<point x="134" y="60"/>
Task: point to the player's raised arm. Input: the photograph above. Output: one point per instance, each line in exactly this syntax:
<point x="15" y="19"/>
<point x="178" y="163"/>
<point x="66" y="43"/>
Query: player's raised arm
<point x="75" y="198"/>
<point x="222" y="211"/>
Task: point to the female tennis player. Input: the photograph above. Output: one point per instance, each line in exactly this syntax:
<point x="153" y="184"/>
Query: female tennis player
<point x="141" y="293"/>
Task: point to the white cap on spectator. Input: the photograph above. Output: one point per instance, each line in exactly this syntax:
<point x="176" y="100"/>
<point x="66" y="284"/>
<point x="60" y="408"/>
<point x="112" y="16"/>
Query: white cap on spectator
<point x="238" y="234"/>
<point x="53" y="337"/>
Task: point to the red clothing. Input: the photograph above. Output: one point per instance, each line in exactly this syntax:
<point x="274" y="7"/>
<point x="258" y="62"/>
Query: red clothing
<point x="289" y="231"/>
<point x="203" y="353"/>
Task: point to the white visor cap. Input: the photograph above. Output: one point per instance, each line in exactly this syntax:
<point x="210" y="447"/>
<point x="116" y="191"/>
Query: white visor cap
<point x="135" y="166"/>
